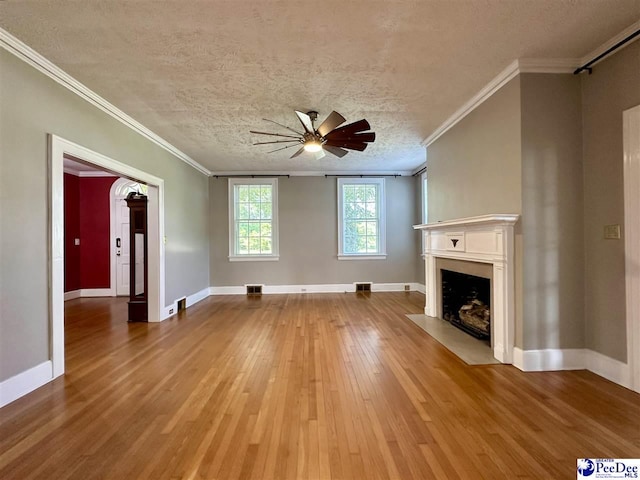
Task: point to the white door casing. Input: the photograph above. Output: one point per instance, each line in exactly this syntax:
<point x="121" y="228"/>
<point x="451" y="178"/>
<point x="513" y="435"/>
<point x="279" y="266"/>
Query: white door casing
<point x="58" y="148"/>
<point x="631" y="145"/>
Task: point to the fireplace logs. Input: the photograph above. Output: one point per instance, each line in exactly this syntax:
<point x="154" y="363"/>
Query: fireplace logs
<point x="476" y="317"/>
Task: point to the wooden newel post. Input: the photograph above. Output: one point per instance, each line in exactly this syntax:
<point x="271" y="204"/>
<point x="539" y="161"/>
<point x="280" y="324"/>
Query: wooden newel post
<point x="138" y="291"/>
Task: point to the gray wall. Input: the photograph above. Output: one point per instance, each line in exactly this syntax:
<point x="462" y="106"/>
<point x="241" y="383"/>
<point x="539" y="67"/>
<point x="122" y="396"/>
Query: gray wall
<point x="475" y="169"/>
<point x="31" y="106"/>
<point x="309" y="237"/>
<point x="552" y="226"/>
<point x="614" y="86"/>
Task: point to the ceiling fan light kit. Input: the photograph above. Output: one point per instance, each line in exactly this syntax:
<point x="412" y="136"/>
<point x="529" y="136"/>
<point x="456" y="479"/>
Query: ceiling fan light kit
<point x="327" y="137"/>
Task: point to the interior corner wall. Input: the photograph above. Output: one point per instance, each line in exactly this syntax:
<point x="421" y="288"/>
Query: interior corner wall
<point x="417" y="221"/>
<point x="475" y="169"/>
<point x="71" y="232"/>
<point x="32" y="106"/>
<point x="612" y="87"/>
<point x="308" y="237"/>
<point x="552" y="205"/>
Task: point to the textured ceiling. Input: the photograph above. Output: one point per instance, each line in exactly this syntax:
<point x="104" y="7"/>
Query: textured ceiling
<point x="201" y="74"/>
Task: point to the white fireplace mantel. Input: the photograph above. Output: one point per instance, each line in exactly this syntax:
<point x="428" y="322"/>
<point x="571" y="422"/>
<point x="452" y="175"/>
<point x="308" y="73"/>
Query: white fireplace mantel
<point x="485" y="239"/>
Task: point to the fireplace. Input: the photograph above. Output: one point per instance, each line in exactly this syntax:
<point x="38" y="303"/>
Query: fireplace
<point x="466" y="302"/>
<point x="480" y="246"/>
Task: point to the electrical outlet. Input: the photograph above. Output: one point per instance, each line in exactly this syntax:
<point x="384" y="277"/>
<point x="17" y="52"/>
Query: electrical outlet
<point x="303" y="290"/>
<point x="171" y="311"/>
<point x="76" y="241"/>
<point x="407" y="288"/>
<point x="612" y="232"/>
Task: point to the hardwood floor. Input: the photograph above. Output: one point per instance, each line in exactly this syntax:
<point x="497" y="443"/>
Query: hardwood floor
<point x="325" y="386"/>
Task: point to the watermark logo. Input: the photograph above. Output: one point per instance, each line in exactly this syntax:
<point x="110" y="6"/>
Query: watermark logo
<point x="586" y="467"/>
<point x="609" y="468"/>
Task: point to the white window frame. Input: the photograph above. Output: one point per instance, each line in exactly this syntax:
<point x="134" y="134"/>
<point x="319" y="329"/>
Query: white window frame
<point x="382" y="239"/>
<point x="233" y="255"/>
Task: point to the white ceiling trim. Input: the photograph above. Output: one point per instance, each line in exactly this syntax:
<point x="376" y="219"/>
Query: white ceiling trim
<point x="78" y="173"/>
<point x="525" y="65"/>
<point x="40" y="63"/>
<point x="351" y="173"/>
<point x="610" y="43"/>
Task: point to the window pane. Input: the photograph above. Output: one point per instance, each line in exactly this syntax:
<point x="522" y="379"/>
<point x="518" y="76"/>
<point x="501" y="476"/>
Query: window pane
<point x="265" y="194"/>
<point x="243" y="211"/>
<point x="265" y="211"/>
<point x="360" y="193"/>
<point x="371" y="193"/>
<point x="243" y="246"/>
<point x="372" y="244"/>
<point x="371" y="210"/>
<point x="372" y="229"/>
<point x="254" y="246"/>
<point x="265" y="246"/>
<point x="254" y="193"/>
<point x="265" y="229"/>
<point x="243" y="229"/>
<point x="242" y="193"/>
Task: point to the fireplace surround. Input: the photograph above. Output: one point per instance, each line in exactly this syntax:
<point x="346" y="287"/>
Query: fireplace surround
<point x="487" y="240"/>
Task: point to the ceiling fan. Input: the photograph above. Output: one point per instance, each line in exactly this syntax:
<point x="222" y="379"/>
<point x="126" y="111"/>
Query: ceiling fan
<point x="327" y="137"/>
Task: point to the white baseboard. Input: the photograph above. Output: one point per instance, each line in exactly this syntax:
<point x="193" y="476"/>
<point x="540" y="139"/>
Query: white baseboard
<point x="19" y="385"/>
<point x="419" y="287"/>
<point x="549" y="359"/>
<point x="97" y="292"/>
<point x="73" y="294"/>
<point x="315" y="288"/>
<point x="192" y="299"/>
<point x="573" y="359"/>
<point x="609" y="368"/>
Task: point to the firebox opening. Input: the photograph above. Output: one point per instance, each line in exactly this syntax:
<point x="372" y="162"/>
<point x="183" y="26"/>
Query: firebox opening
<point x="466" y="303"/>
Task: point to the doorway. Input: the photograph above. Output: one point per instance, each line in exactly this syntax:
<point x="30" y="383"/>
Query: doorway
<point x="120" y="232"/>
<point x="58" y="148"/>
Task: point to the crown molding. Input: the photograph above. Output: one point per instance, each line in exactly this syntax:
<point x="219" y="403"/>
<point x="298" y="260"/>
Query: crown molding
<point x="40" y="63"/>
<point x="401" y="173"/>
<point x="527" y="65"/>
<point x="634" y="27"/>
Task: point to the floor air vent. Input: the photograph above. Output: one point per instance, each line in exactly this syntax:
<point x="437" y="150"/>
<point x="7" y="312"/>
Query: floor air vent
<point x="363" y="287"/>
<point x="254" y="289"/>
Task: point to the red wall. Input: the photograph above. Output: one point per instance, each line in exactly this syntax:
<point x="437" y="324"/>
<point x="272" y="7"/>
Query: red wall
<point x="94" y="231"/>
<point x="87" y="217"/>
<point x="71" y="232"/>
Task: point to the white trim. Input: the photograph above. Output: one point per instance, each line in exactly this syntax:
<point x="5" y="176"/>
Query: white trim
<point x="40" y="63"/>
<point x="491" y="219"/>
<point x="419" y="287"/>
<point x="356" y="256"/>
<point x="315" y="288"/>
<point x="254" y="258"/>
<point x="525" y="65"/>
<point x="77" y="173"/>
<point x="97" y="292"/>
<point x="275" y="244"/>
<point x="631" y="166"/>
<point x="382" y="224"/>
<point x="71" y="295"/>
<point x="549" y="359"/>
<point x="610" y="43"/>
<point x="609" y="368"/>
<point x="312" y="173"/>
<point x="190" y="300"/>
<point x="58" y="147"/>
<point x="25" y="382"/>
<point x="572" y="359"/>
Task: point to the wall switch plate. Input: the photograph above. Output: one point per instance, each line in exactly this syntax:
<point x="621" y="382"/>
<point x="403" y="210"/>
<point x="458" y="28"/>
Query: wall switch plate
<point x="612" y="232"/>
<point x="76" y="241"/>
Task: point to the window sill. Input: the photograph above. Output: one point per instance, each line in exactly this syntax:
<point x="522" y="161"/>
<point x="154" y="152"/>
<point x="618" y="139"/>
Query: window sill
<point x="362" y="257"/>
<point x="254" y="258"/>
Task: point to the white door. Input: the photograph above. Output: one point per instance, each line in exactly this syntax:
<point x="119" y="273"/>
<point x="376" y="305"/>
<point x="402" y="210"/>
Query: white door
<point x="122" y="246"/>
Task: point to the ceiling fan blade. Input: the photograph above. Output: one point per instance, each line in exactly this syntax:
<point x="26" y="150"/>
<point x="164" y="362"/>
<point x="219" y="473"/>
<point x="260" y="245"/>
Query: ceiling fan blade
<point x="337" y="151"/>
<point x="355" y="127"/>
<point x="277" y="141"/>
<point x="333" y="121"/>
<point x="355" y="137"/>
<point x="273" y="134"/>
<point x="319" y="155"/>
<point x="283" y="126"/>
<point x="283" y="148"/>
<point x="297" y="153"/>
<point x="305" y="120"/>
<point x="350" y="145"/>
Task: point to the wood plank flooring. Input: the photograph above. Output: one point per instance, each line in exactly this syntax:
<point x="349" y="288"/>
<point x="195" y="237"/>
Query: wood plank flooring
<point x="325" y="386"/>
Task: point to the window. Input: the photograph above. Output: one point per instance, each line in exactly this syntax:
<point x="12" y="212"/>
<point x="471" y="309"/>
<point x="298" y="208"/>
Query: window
<point x="361" y="219"/>
<point x="253" y="219"/>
